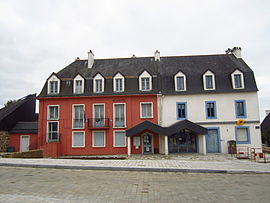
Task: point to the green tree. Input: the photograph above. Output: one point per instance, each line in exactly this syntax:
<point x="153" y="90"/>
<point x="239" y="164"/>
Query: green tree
<point x="10" y="102"/>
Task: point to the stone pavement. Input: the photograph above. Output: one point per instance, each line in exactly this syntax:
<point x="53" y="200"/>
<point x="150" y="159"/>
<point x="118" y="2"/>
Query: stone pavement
<point x="191" y="163"/>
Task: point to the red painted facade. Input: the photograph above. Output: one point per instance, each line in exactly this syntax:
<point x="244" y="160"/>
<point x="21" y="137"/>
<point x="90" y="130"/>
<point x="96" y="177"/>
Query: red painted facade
<point x="15" y="141"/>
<point x="64" y="146"/>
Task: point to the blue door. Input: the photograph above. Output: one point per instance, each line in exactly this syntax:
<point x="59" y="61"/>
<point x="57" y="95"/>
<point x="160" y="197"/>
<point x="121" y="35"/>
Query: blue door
<point x="213" y="141"/>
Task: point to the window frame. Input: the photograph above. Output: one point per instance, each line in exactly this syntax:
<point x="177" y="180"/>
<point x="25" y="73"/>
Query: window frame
<point x="73" y="116"/>
<point x="73" y="139"/>
<point x="98" y="77"/>
<point x="125" y="116"/>
<point x="141" y="113"/>
<point x="145" y="75"/>
<point x="118" y="76"/>
<point x="248" y="134"/>
<point x="48" y="134"/>
<point x="48" y="113"/>
<point x="114" y="136"/>
<point x="78" y="78"/>
<point x="177" y="115"/>
<point x="209" y="73"/>
<point x="180" y="74"/>
<point x="93" y="113"/>
<point x="244" y="109"/>
<point x="93" y="138"/>
<point x="215" y="110"/>
<point x="238" y="72"/>
<point x="53" y="78"/>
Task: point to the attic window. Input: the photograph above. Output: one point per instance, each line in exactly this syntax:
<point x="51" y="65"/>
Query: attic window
<point x="209" y="81"/>
<point x="145" y="81"/>
<point x="98" y="86"/>
<point x="238" y="80"/>
<point x="118" y="83"/>
<point x="78" y="85"/>
<point x="180" y="82"/>
<point x="53" y="85"/>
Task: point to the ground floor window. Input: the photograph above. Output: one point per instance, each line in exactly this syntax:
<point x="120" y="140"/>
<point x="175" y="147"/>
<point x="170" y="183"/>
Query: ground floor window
<point x="182" y="143"/>
<point x="98" y="139"/>
<point x="242" y="135"/>
<point x="53" y="135"/>
<point x="119" y="138"/>
<point x="78" y="139"/>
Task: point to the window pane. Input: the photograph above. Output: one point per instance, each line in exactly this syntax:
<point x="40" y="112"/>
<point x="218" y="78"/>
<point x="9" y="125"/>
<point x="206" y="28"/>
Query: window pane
<point x="180" y="83"/>
<point x="209" y="82"/>
<point x="146" y="110"/>
<point x="120" y="139"/>
<point x="181" y="110"/>
<point x="240" y="108"/>
<point x="53" y="112"/>
<point x="98" y="85"/>
<point x="78" y="139"/>
<point x="237" y="81"/>
<point x="53" y="87"/>
<point x="145" y="83"/>
<point x="242" y="135"/>
<point x="53" y="131"/>
<point x="99" y="120"/>
<point x="211" y="110"/>
<point x="119" y="115"/>
<point x="78" y="116"/>
<point x="118" y="83"/>
<point x="99" y="139"/>
<point x="78" y="86"/>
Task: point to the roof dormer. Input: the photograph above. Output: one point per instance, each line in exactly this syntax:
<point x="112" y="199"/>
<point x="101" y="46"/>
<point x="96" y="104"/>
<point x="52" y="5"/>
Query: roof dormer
<point x="145" y="81"/>
<point x="78" y="84"/>
<point x="209" y="80"/>
<point x="238" y="79"/>
<point x="53" y="84"/>
<point x="98" y="83"/>
<point x="180" y="81"/>
<point x="118" y="83"/>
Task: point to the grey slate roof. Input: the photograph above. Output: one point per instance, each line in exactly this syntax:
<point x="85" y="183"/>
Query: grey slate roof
<point x="162" y="71"/>
<point x="265" y="125"/>
<point x="25" y="127"/>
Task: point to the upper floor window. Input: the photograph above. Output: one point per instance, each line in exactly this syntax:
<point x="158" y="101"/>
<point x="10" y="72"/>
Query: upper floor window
<point x="78" y="85"/>
<point x="53" y="85"/>
<point x="209" y="81"/>
<point x="180" y="82"/>
<point x="119" y="83"/>
<point x="146" y="110"/>
<point x="237" y="79"/>
<point x="99" y="115"/>
<point x="240" y="109"/>
<point x="145" y="81"/>
<point x="53" y="112"/>
<point x="78" y="116"/>
<point x="210" y="107"/>
<point x="98" y="86"/>
<point x="119" y="116"/>
<point x="181" y="110"/>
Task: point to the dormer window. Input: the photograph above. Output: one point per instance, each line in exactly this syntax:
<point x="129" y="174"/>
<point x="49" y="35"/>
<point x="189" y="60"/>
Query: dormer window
<point x="98" y="86"/>
<point x="145" y="81"/>
<point x="237" y="80"/>
<point x="78" y="85"/>
<point x="118" y="83"/>
<point x="209" y="81"/>
<point x="53" y="85"/>
<point x="180" y="82"/>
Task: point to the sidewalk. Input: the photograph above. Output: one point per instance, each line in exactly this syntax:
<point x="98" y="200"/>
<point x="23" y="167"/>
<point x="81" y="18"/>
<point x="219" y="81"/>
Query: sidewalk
<point x="191" y="164"/>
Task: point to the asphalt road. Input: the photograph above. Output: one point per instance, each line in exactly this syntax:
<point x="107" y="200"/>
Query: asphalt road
<point x="65" y="185"/>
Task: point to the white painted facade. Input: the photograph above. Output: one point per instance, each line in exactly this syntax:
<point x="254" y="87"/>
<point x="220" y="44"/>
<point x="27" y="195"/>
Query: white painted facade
<point x="225" y="119"/>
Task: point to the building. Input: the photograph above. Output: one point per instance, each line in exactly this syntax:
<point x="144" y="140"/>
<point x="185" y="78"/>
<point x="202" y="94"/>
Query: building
<point x="19" y="126"/>
<point x="265" y="128"/>
<point x="142" y="105"/>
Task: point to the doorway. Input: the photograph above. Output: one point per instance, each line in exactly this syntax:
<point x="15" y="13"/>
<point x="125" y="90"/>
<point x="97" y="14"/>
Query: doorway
<point x="213" y="141"/>
<point x="147" y="143"/>
<point x="182" y="143"/>
<point x="24" y="145"/>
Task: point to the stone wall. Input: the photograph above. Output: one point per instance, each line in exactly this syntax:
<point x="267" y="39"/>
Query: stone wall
<point x="3" y="141"/>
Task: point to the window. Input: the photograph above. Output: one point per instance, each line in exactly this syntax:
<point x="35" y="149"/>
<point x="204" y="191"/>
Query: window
<point x="240" y="109"/>
<point x="146" y="110"/>
<point x="209" y="81"/>
<point x="181" y="109"/>
<point x="98" y="85"/>
<point x="78" y="116"/>
<point x="99" y="116"/>
<point x="119" y="116"/>
<point x="145" y="81"/>
<point x="78" y="139"/>
<point x="242" y="135"/>
<point x="118" y="81"/>
<point x="210" y="107"/>
<point x="98" y="139"/>
<point x="119" y="138"/>
<point x="53" y="112"/>
<point x="53" y="85"/>
<point x="237" y="79"/>
<point x="53" y="135"/>
<point x="78" y="85"/>
<point x="180" y="82"/>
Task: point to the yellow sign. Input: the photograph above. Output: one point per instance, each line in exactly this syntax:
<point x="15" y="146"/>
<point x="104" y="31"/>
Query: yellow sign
<point x="240" y="122"/>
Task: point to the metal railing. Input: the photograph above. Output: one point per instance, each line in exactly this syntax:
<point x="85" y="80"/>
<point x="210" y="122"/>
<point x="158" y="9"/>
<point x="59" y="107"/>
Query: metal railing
<point x="98" y="123"/>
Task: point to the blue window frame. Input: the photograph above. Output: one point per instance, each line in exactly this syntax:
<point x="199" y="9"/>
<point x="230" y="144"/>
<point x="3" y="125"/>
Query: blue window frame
<point x="181" y="110"/>
<point x="240" y="109"/>
<point x="242" y="135"/>
<point x="210" y="110"/>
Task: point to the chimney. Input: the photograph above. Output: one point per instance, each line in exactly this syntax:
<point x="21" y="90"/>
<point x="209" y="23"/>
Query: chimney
<point x="236" y="51"/>
<point x="90" y="59"/>
<point x="267" y="112"/>
<point x="157" y="55"/>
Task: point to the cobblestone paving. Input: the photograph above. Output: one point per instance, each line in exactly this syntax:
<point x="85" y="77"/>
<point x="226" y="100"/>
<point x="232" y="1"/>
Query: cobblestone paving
<point x="65" y="185"/>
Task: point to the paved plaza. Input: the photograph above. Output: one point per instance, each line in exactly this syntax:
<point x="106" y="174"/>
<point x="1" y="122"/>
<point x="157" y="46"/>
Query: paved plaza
<point x="20" y="184"/>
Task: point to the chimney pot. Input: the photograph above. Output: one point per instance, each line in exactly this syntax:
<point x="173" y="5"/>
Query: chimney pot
<point x="157" y="55"/>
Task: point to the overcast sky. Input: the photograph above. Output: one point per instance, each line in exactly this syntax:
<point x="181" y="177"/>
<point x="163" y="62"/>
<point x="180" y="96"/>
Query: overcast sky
<point x="41" y="37"/>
